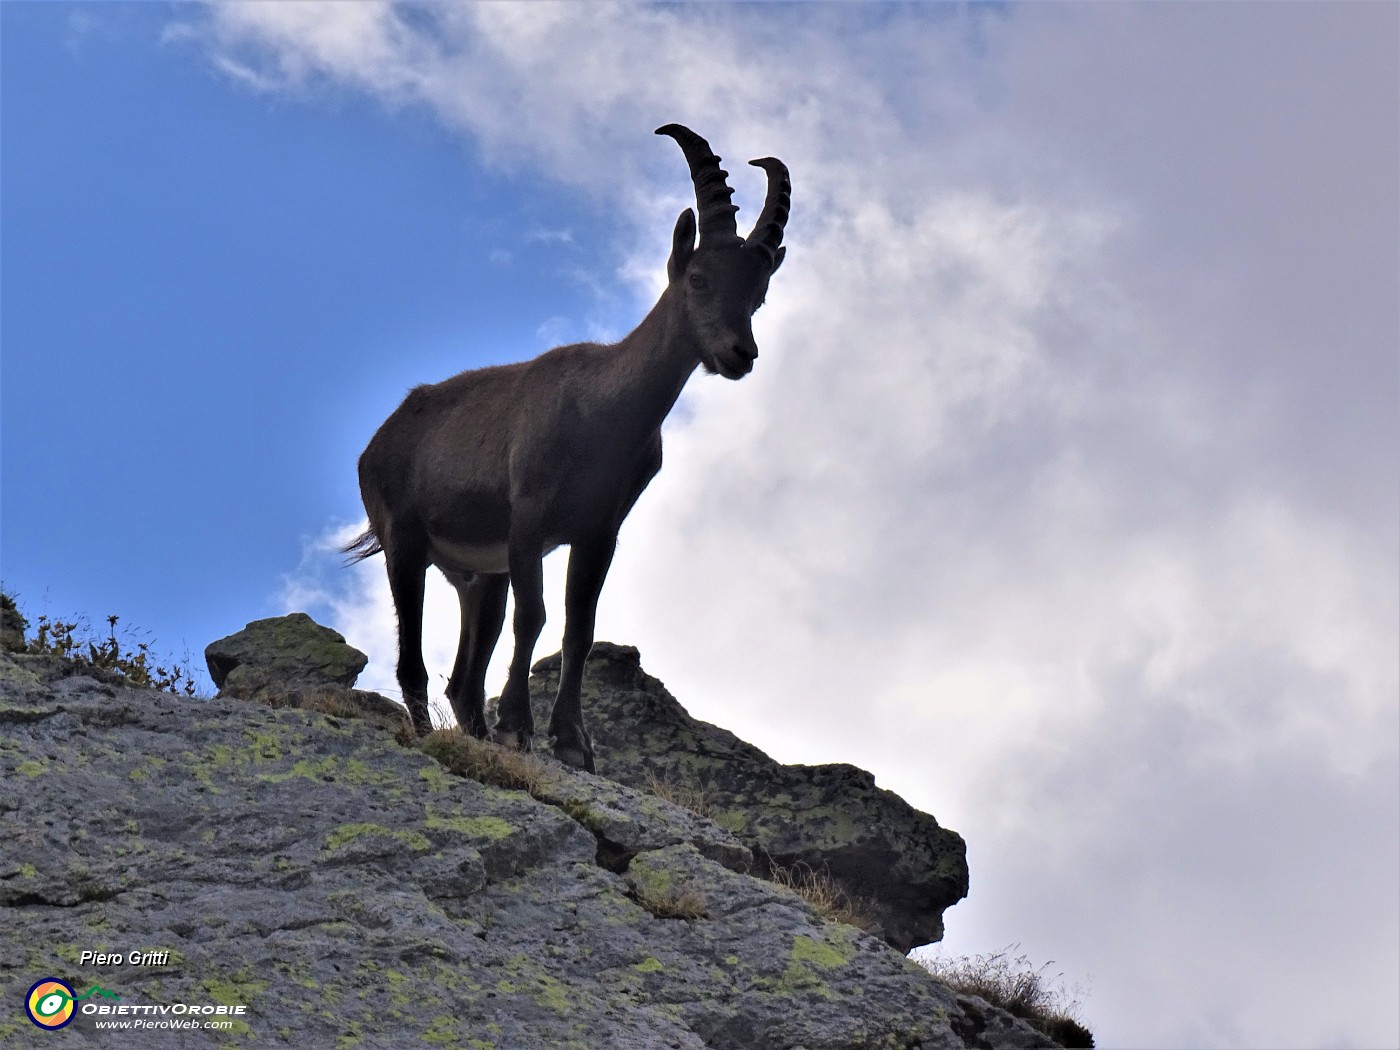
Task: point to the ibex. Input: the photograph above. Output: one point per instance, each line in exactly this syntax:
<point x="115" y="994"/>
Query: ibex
<point x="485" y="473"/>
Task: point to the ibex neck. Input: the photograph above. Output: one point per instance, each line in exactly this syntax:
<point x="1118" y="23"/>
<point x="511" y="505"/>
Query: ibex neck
<point x="654" y="361"/>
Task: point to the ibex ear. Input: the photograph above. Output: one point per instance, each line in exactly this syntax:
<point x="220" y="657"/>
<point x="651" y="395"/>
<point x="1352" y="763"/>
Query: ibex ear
<point x="778" y="257"/>
<point x="682" y="245"/>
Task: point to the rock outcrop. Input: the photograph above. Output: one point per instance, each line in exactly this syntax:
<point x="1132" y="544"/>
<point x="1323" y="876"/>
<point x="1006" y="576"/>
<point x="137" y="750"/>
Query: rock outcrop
<point x="345" y="889"/>
<point x="892" y="861"/>
<point x="292" y="661"/>
<point x="282" y="652"/>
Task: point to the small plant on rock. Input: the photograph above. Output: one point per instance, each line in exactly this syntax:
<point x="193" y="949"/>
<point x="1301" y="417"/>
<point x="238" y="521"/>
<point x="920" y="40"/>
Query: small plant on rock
<point x="674" y="903"/>
<point x="467" y="756"/>
<point x="695" y="798"/>
<point x="333" y="700"/>
<point x="1019" y="988"/>
<point x="74" y="640"/>
<point x="12" y="624"/>
<point x="825" y="895"/>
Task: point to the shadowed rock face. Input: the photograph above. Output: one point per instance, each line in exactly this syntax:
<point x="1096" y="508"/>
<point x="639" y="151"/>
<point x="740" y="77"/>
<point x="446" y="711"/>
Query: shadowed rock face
<point x="346" y="888"/>
<point x="829" y="818"/>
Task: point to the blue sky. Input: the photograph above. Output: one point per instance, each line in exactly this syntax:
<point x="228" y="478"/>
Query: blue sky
<point x="1063" y="497"/>
<point x="210" y="296"/>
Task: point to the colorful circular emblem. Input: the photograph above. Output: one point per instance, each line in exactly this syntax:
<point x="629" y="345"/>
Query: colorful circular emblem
<point x="50" y="1003"/>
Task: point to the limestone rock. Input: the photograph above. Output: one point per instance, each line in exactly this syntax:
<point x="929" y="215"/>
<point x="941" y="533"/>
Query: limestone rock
<point x="886" y="855"/>
<point x="346" y="889"/>
<point x="283" y="652"/>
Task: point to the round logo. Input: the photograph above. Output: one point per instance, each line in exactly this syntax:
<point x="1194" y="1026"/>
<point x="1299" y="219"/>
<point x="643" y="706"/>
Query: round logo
<point x="50" y="1003"/>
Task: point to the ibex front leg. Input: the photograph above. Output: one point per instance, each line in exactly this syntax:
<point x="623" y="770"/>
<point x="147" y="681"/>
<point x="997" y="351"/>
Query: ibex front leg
<point x="516" y="724"/>
<point x="588" y="567"/>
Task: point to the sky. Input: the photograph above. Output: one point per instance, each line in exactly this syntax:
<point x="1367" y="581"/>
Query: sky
<point x="1063" y="497"/>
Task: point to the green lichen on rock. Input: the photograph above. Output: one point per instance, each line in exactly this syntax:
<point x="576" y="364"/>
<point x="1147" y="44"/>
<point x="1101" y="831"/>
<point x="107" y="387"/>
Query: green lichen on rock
<point x="442" y="1030"/>
<point x="475" y="827"/>
<point x="348" y="833"/>
<point x="807" y="962"/>
<point x="16" y="675"/>
<point x="818" y="952"/>
<point x="552" y="994"/>
<point x="237" y="989"/>
<point x="436" y="777"/>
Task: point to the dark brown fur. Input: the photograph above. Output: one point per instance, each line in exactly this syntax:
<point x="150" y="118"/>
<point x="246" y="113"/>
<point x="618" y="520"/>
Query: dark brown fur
<point x="486" y="472"/>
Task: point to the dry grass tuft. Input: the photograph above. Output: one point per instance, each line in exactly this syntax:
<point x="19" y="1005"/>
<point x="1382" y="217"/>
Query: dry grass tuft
<point x="440" y="717"/>
<point x="695" y="798"/>
<point x="826" y="896"/>
<point x="685" y="904"/>
<point x="488" y="763"/>
<point x="1013" y="984"/>
<point x="336" y="701"/>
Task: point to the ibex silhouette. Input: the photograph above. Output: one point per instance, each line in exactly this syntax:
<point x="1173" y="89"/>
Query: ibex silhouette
<point x="485" y="473"/>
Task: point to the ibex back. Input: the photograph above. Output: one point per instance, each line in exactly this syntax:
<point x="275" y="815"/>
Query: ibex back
<point x="485" y="473"/>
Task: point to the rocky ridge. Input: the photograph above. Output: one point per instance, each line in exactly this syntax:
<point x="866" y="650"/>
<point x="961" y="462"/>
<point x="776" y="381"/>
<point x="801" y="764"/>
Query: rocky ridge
<point x="341" y="886"/>
<point x="893" y="863"/>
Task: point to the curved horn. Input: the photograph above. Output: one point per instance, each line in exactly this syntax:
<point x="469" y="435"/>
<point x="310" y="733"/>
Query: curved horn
<point x="712" y="192"/>
<point x="768" y="231"/>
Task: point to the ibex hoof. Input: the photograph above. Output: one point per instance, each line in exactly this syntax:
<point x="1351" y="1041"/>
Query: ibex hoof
<point x="512" y="739"/>
<point x="573" y="755"/>
<point x="419" y="719"/>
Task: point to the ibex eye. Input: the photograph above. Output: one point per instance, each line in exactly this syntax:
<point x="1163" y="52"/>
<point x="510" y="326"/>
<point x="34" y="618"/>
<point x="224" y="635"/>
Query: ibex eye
<point x="699" y="282"/>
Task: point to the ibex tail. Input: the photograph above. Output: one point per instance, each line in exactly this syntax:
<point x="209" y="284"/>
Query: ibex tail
<point x="365" y="545"/>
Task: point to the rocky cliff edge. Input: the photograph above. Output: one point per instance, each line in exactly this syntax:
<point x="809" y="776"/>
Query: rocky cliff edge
<point x="328" y="884"/>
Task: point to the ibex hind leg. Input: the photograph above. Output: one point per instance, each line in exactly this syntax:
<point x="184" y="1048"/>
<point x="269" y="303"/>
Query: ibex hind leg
<point x="483" y="602"/>
<point x="516" y="724"/>
<point x="407" y="564"/>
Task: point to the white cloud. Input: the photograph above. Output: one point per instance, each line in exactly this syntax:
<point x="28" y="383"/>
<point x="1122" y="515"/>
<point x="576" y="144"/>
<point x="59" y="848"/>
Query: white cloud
<point x="1058" y="498"/>
<point x="542" y="235"/>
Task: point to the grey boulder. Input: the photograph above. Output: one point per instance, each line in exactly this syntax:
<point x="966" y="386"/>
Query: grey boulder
<point x="282" y="651"/>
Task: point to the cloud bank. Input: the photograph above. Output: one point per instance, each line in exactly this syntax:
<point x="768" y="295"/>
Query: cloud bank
<point x="1063" y="494"/>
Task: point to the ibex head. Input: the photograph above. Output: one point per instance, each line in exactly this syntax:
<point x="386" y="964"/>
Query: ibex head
<point x="720" y="282"/>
